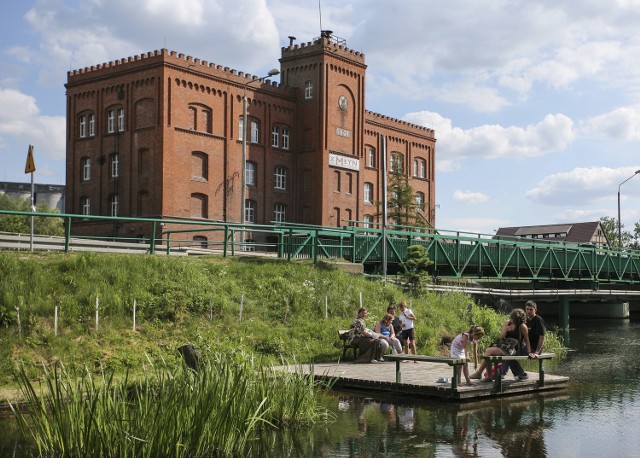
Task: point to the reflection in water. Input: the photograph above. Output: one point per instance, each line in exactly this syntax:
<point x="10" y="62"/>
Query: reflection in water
<point x="507" y="427"/>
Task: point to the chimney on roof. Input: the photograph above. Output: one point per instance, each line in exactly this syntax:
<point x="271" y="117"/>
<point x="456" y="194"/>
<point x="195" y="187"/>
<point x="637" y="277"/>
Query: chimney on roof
<point x="291" y="40"/>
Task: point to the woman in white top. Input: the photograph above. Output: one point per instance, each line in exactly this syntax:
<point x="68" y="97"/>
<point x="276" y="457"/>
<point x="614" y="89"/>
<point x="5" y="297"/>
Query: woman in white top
<point x="460" y="348"/>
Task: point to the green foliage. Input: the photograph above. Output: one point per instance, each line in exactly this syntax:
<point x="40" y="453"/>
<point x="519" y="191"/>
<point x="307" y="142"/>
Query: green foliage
<point x="417" y="266"/>
<point x="22" y="224"/>
<point x="170" y="411"/>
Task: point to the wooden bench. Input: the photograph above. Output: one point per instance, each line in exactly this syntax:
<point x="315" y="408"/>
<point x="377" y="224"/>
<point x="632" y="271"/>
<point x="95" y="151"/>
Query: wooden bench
<point x="344" y="336"/>
<point x="428" y="359"/>
<point x="495" y="360"/>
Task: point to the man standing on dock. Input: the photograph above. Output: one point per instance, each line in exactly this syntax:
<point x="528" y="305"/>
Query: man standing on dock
<point x="535" y="324"/>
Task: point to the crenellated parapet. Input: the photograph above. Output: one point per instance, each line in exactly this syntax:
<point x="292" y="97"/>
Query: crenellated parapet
<point x="163" y="56"/>
<point x="327" y="43"/>
<point x="391" y="122"/>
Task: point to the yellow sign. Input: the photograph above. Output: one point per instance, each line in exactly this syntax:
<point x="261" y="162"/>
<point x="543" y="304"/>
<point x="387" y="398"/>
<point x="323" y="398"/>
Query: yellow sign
<point x="31" y="165"/>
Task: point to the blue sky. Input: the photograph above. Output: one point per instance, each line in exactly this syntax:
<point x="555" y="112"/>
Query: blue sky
<point x="536" y="105"/>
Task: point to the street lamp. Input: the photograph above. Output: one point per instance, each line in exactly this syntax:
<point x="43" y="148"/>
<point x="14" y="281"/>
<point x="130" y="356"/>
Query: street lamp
<point x="619" y="224"/>
<point x="272" y="72"/>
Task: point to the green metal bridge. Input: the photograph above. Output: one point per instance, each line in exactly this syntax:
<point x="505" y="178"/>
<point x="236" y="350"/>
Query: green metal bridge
<point x="455" y="255"/>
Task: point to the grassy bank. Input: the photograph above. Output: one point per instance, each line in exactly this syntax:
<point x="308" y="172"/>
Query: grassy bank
<point x="272" y="309"/>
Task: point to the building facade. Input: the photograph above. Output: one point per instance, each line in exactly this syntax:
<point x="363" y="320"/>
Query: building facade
<point x="160" y="135"/>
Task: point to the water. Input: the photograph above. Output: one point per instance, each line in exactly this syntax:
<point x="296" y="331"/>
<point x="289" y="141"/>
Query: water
<point x="598" y="415"/>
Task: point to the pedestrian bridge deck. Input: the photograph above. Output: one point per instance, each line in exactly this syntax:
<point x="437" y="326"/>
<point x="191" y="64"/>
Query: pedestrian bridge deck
<point x="419" y="381"/>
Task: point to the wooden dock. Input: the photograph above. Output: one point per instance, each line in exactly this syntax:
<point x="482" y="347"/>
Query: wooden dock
<point x="424" y="380"/>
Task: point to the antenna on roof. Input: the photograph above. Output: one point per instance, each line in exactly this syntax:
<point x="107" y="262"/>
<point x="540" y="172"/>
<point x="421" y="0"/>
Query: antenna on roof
<point x="320" y="14"/>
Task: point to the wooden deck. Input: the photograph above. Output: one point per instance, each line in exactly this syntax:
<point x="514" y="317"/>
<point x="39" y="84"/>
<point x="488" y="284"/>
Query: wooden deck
<point x="420" y="380"/>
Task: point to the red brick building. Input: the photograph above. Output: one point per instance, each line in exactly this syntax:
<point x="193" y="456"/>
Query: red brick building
<point x="160" y="135"/>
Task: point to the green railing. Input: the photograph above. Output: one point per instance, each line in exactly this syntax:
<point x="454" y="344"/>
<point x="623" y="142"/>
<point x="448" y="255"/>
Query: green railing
<point x="455" y="254"/>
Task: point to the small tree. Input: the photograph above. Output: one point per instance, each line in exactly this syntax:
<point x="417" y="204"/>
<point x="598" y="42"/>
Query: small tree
<point x="401" y="200"/>
<point x="610" y="228"/>
<point x="417" y="266"/>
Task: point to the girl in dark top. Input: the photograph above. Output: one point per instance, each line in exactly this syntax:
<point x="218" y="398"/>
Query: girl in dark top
<point x="513" y="335"/>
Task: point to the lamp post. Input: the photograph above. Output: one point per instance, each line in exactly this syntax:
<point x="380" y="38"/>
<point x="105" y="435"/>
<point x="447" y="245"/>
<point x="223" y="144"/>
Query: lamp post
<point x="272" y="72"/>
<point x="619" y="223"/>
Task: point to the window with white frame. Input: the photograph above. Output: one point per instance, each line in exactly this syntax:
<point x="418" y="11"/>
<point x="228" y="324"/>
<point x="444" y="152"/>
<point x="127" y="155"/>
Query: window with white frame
<point x="274" y="137"/>
<point x="250" y="173"/>
<point x="92" y="125"/>
<point x="308" y="89"/>
<point x="114" y="205"/>
<point x="85" y="206"/>
<point x="285" y="138"/>
<point x="280" y="176"/>
<point x="371" y="157"/>
<point x="367" y="220"/>
<point x="111" y="119"/>
<point x="120" y="119"/>
<point x="83" y="126"/>
<point x="250" y="211"/>
<point x="241" y="129"/>
<point x="368" y="193"/>
<point x="255" y="132"/>
<point x="279" y="213"/>
<point x="396" y="162"/>
<point x="420" y="200"/>
<point x="115" y="165"/>
<point x="86" y="168"/>
<point x="419" y="168"/>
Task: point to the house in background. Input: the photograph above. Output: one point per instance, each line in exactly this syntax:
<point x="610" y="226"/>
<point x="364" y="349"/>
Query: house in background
<point x="590" y="232"/>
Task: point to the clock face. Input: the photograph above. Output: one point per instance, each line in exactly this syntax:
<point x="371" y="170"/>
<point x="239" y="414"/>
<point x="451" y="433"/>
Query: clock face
<point x="342" y="102"/>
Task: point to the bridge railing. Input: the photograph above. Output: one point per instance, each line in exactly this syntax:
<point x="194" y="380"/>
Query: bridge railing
<point x="455" y="254"/>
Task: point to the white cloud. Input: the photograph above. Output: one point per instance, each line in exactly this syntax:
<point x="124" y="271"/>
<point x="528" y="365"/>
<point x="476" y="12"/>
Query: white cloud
<point x="469" y="197"/>
<point x="581" y="186"/>
<point x="622" y="124"/>
<point x="242" y="34"/>
<point x="20" y="119"/>
<point x="475" y="225"/>
<point x="550" y="135"/>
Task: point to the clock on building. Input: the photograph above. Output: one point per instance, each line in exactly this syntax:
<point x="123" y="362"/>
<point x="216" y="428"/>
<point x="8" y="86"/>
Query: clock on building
<point x="342" y="102"/>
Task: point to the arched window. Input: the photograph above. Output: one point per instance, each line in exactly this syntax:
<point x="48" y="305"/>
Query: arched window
<point x="250" y="173"/>
<point x="199" y="166"/>
<point x="396" y="163"/>
<point x="280" y="178"/>
<point x="419" y="168"/>
<point x="420" y="200"/>
<point x="250" y="211"/>
<point x="368" y="193"/>
<point x="199" y="206"/>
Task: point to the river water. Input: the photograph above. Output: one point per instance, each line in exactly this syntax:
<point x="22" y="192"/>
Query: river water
<point x="597" y="416"/>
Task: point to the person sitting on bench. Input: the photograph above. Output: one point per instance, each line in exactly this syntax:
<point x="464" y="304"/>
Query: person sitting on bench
<point x="388" y="335"/>
<point x="513" y="335"/>
<point x="368" y="343"/>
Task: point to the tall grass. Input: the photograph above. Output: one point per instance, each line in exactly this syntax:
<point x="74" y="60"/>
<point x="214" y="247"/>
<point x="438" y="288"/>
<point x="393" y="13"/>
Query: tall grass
<point x="171" y="411"/>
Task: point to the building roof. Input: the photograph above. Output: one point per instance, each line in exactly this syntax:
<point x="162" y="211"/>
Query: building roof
<point x="573" y="232"/>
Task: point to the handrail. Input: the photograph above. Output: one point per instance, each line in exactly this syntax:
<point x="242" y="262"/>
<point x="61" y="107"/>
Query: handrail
<point x="455" y="254"/>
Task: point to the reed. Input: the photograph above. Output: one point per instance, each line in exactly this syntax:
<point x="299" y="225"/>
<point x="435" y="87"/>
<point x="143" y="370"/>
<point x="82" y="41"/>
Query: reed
<point x="171" y="411"/>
